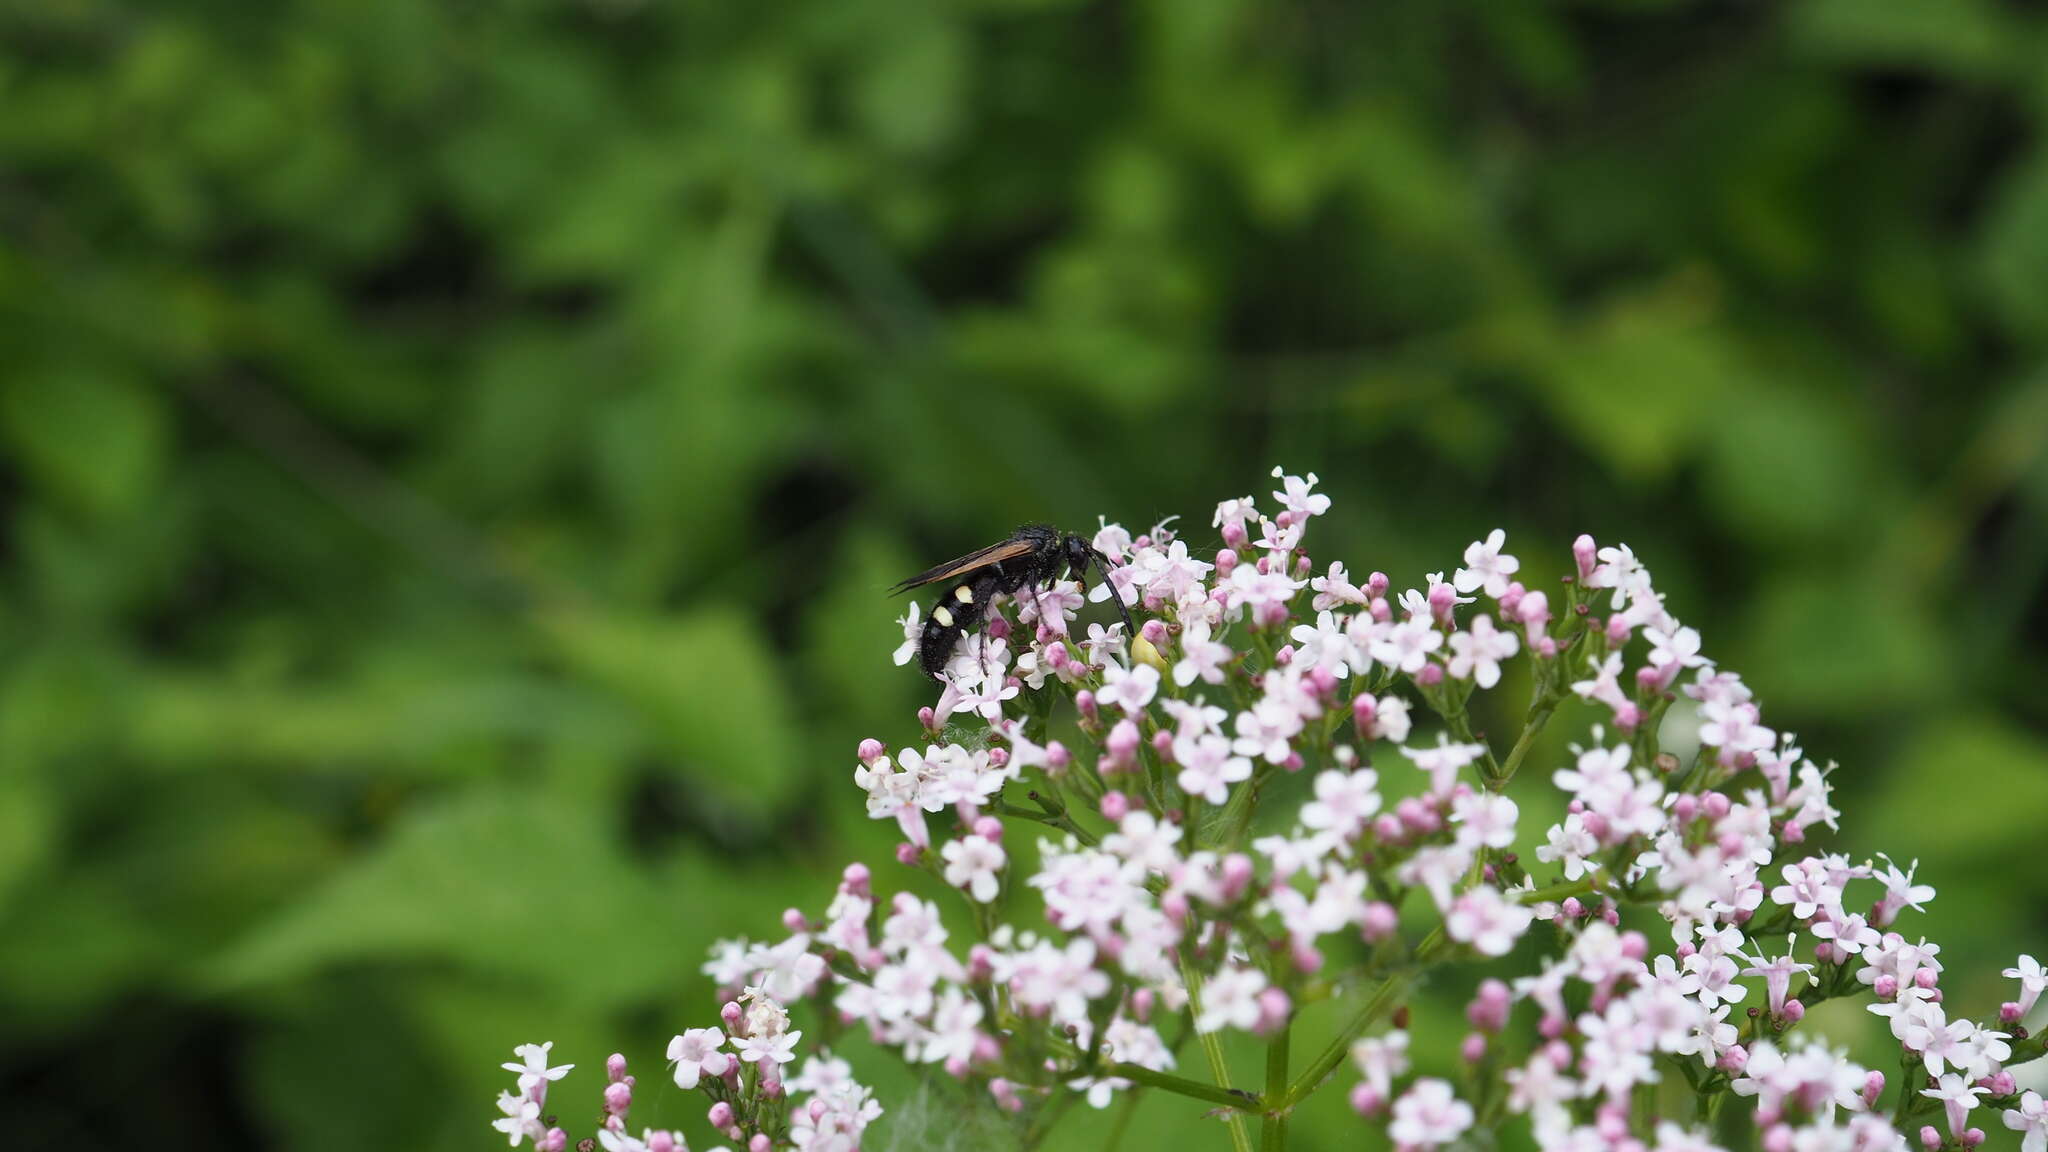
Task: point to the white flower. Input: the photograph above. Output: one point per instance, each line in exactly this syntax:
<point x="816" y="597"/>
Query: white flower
<point x="1129" y="688"/>
<point x="913" y="632"/>
<point x="533" y="1066"/>
<point x="1957" y="1097"/>
<point x="1477" y="654"/>
<point x="1231" y="1000"/>
<point x="1201" y="657"/>
<point x="2033" y="980"/>
<point x="1486" y="567"/>
<point x="1484" y="818"/>
<point x="1488" y="921"/>
<point x="787" y="971"/>
<point x="1429" y="1115"/>
<point x="779" y="1048"/>
<point x="695" y="1054"/>
<point x="1344" y="802"/>
<point x="521" y="1120"/>
<point x="2030" y="1118"/>
<point x="973" y="863"/>
<point x="1407" y="645"/>
<point x="1296" y="495"/>
<point x="1207" y="768"/>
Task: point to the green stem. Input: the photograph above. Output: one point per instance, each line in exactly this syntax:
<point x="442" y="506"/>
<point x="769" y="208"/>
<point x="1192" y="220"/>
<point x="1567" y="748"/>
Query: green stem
<point x="1539" y="715"/>
<point x="1273" y="1130"/>
<point x="1559" y="891"/>
<point x="1383" y="1000"/>
<point x="1212" y="1047"/>
<point x="1232" y="1098"/>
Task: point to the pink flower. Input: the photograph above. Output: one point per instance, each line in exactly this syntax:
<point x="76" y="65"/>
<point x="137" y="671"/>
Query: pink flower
<point x="1429" y="1115"/>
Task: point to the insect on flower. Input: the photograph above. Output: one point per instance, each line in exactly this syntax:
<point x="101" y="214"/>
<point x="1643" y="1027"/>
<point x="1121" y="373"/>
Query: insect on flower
<point x="1033" y="556"/>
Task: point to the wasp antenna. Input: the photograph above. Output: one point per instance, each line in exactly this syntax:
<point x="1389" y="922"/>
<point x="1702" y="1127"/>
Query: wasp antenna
<point x="1102" y="562"/>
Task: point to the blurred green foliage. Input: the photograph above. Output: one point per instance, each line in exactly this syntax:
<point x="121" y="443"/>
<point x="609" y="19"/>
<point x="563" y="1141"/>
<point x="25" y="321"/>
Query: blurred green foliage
<point x="452" y="456"/>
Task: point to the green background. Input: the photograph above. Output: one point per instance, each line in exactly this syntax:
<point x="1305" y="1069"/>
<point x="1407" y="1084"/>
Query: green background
<point x="452" y="456"/>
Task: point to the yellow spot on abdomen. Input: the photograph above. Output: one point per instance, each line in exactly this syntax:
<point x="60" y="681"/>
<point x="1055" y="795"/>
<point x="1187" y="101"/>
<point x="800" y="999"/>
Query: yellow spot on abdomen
<point x="964" y="594"/>
<point x="943" y="615"/>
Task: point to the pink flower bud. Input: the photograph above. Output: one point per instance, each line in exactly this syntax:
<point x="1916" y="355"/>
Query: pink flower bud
<point x="987" y="827"/>
<point x="1685" y="807"/>
<point x="1778" y="1138"/>
<point x="662" y="1142"/>
<point x="1057" y="757"/>
<point x="907" y="854"/>
<point x="1585" y="555"/>
<point x="1873" y="1087"/>
<point x="1387" y="828"/>
<point x="1793" y="1012"/>
<point x="1364" y="1100"/>
<point x="1473" y="1050"/>
<point x="1925" y="978"/>
<point x="1162" y="743"/>
<point x="1551" y="1028"/>
<point x="872" y="750"/>
<point x="1431" y="674"/>
<point x="1734" y="1060"/>
<point x="1322" y="682"/>
<point x="1084" y="701"/>
<point x="1293" y="763"/>
<point x="553" y="1140"/>
<point x="998" y="628"/>
<point x="927" y="719"/>
<point x="1973" y="1137"/>
<point x="760" y="1143"/>
<point x="1274" y="1008"/>
<point x="1121" y="748"/>
<point x="1154" y="632"/>
<point x="1572" y="908"/>
<point x="1226" y="560"/>
<point x="1716" y="804"/>
<point x="1057" y="657"/>
<point x="1929" y="1138"/>
<point x="1886" y="987"/>
<point x="1628" y="716"/>
<point x="2001" y="1083"/>
<point x="981" y="964"/>
<point x="1617" y="630"/>
<point x="615" y="1067"/>
<point x="1381" y="611"/>
<point x="1364" y="710"/>
<point x="1511" y="599"/>
<point x="1237" y="873"/>
<point x="1378" y="922"/>
<point x="2009" y="1012"/>
<point x="1115" y="806"/>
<point x="1141" y="1004"/>
<point x="1443" y="600"/>
<point x="1634" y="946"/>
<point x="1488" y="1010"/>
<point x="855" y="878"/>
<point x="730" y="1014"/>
<point x="793" y="919"/>
<point x="720" y="1116"/>
<point x="617" y="1098"/>
<point x="771" y="1087"/>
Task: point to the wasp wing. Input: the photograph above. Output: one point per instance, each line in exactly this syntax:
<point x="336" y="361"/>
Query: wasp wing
<point x="978" y="559"/>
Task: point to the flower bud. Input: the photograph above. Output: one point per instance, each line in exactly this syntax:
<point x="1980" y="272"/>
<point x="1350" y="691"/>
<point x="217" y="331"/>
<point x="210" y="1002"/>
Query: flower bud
<point x="1585" y="556"/>
<point x="720" y="1116"/>
<point x="1274" y="1009"/>
<point x="1473" y="1050"/>
<point x="1973" y="1137"/>
<point x="928" y="719"/>
<point x="1237" y="874"/>
<point x="907" y="854"/>
<point x="988" y="828"/>
<point x="1873" y="1087"/>
<point x="1084" y="702"/>
<point x="1364" y="1100"/>
<point x="1378" y="922"/>
<point x="793" y="919"/>
<point x="1793" y="1011"/>
<point x="662" y="1142"/>
<point x="872" y="750"/>
<point x="730" y="1013"/>
<point x="1162" y="743"/>
<point x="855" y="878"/>
<point x="1489" y="1008"/>
<point x="1057" y="757"/>
<point x="615" y="1067"/>
<point x="760" y="1143"/>
<point x="1432" y="674"/>
<point x="617" y="1098"/>
<point x="1929" y="1138"/>
<point x="1115" y="806"/>
<point x="1226" y="560"/>
<point x="1886" y="987"/>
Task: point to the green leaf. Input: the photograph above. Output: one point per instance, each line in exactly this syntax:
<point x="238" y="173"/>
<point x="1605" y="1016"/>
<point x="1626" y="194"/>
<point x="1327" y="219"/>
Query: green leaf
<point x="498" y="881"/>
<point x="704" y="685"/>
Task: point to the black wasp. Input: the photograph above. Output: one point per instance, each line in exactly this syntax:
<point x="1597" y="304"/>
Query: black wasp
<point x="1033" y="556"/>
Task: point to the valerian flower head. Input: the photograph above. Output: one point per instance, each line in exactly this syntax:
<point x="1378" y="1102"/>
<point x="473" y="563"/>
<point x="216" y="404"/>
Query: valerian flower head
<point x="1196" y="828"/>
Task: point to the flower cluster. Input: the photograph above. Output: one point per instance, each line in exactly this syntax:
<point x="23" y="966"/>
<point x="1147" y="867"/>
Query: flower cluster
<point x="1275" y="794"/>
